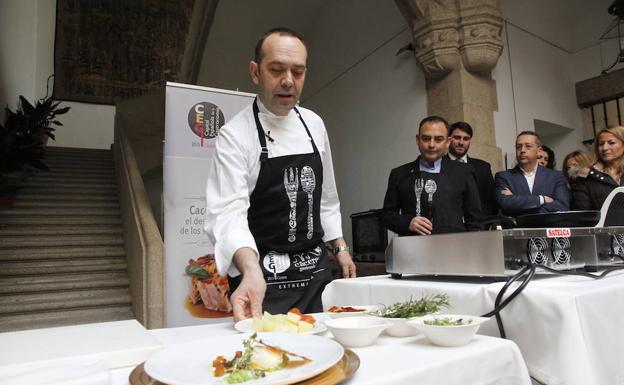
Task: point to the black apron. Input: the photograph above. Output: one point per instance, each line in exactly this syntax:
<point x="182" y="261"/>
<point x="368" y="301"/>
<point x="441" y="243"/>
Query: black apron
<point x="284" y="219"/>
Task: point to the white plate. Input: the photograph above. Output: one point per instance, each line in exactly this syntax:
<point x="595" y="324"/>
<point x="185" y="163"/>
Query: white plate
<point x="244" y="326"/>
<point x="367" y="309"/>
<point x="191" y="363"/>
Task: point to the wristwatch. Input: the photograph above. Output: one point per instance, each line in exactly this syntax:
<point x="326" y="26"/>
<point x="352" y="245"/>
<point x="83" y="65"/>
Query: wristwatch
<point x="338" y="249"/>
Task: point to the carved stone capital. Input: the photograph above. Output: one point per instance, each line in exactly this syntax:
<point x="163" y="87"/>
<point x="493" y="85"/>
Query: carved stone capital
<point x="436" y="38"/>
<point x="437" y="50"/>
<point x="480" y="31"/>
<point x="447" y="32"/>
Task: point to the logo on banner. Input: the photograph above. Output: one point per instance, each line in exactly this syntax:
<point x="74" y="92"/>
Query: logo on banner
<point x="205" y="119"/>
<point x="276" y="263"/>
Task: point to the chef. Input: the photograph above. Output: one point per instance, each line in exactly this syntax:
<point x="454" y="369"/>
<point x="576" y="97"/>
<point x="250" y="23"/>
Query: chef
<point x="272" y="205"/>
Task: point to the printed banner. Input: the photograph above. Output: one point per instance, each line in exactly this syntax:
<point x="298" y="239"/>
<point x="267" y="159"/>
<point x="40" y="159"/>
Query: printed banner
<point x="194" y="292"/>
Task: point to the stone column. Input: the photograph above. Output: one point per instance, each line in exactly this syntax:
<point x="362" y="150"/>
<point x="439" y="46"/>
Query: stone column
<point x="457" y="43"/>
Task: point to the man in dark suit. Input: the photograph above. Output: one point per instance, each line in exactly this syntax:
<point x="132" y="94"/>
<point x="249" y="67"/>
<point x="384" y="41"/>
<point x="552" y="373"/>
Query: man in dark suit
<point x="447" y="190"/>
<point x="529" y="188"/>
<point x="461" y="136"/>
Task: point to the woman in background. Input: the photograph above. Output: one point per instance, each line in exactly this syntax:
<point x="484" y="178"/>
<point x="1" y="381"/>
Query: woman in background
<point x="593" y="185"/>
<point x="546" y="157"/>
<point x="573" y="163"/>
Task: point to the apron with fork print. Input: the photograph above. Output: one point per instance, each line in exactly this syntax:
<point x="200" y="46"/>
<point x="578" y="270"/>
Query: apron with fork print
<point x="284" y="218"/>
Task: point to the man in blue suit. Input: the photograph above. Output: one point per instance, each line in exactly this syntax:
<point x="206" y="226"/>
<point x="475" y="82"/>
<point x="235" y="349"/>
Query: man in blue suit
<point x="529" y="188"/>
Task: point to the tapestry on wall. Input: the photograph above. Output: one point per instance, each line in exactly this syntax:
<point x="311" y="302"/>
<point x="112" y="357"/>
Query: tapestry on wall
<point x="106" y="50"/>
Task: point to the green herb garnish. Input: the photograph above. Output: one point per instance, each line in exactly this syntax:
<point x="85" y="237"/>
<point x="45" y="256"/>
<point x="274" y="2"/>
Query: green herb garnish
<point x="244" y="366"/>
<point x="446" y="321"/>
<point x="196" y="271"/>
<point x="242" y="369"/>
<point x="415" y="308"/>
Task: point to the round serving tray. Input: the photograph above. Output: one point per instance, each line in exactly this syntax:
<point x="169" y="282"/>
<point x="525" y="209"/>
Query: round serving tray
<point x="344" y="369"/>
<point x="585" y="218"/>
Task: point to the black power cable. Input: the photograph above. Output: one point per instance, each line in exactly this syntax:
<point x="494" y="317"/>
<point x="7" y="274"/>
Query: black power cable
<point x="499" y="306"/>
<point x="529" y="269"/>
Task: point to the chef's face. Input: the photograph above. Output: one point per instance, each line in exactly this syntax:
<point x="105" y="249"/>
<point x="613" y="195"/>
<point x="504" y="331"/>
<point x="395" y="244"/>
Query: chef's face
<point x="610" y="148"/>
<point x="280" y="73"/>
<point x="432" y="140"/>
<point x="460" y="142"/>
<point x="527" y="150"/>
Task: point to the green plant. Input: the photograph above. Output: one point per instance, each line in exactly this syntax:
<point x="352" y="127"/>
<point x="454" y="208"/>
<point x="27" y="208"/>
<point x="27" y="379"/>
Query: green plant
<point x="23" y="136"/>
<point x="39" y="119"/>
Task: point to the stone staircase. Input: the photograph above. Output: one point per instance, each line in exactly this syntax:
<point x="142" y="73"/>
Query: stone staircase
<point x="62" y="257"/>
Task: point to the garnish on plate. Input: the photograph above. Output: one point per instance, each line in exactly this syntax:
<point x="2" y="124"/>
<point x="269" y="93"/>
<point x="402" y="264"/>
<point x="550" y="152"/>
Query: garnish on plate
<point x="447" y="321"/>
<point x="255" y="361"/>
<point x="415" y="308"/>
<point x="344" y="309"/>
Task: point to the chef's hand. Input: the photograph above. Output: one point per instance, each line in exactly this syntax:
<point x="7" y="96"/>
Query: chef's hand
<point x="247" y="298"/>
<point x="421" y="226"/>
<point x="344" y="260"/>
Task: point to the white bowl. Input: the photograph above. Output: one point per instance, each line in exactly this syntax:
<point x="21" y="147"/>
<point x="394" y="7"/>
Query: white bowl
<point x="449" y="335"/>
<point x="366" y="309"/>
<point x="356" y="331"/>
<point x="400" y="327"/>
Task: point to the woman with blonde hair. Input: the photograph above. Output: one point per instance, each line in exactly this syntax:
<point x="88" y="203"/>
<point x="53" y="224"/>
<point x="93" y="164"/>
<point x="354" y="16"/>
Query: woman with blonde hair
<point x="593" y="185"/>
<point x="573" y="163"/>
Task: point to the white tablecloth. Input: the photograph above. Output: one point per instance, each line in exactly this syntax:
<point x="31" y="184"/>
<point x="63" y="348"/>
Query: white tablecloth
<point x="412" y="360"/>
<point x="570" y="330"/>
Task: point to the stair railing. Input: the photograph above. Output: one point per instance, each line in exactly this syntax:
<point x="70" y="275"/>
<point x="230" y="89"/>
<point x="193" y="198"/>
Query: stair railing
<point x="143" y="242"/>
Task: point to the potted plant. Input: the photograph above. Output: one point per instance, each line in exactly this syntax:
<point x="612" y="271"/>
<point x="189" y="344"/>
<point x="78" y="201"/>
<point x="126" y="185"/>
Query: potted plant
<point x="22" y="142"/>
<point x="37" y="120"/>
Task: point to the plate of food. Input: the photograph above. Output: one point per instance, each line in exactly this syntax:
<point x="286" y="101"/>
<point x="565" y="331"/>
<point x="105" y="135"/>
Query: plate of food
<point x="292" y="322"/>
<point x="254" y="359"/>
<point x="350" y="311"/>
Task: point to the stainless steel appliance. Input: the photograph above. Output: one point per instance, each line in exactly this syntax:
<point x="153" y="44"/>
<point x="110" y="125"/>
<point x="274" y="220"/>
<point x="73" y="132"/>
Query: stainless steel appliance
<point x="496" y="253"/>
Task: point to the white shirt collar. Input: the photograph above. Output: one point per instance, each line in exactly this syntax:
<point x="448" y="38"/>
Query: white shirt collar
<point x="530" y="177"/>
<point x="463" y="158"/>
<point x="530" y="173"/>
<point x="433" y="168"/>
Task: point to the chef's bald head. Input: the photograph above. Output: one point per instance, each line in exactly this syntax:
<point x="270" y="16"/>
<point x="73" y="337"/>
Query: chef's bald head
<point x="258" y="54"/>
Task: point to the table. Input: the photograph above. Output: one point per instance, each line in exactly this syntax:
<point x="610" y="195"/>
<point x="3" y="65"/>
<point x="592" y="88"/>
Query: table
<point x="569" y="329"/>
<point x="410" y="360"/>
